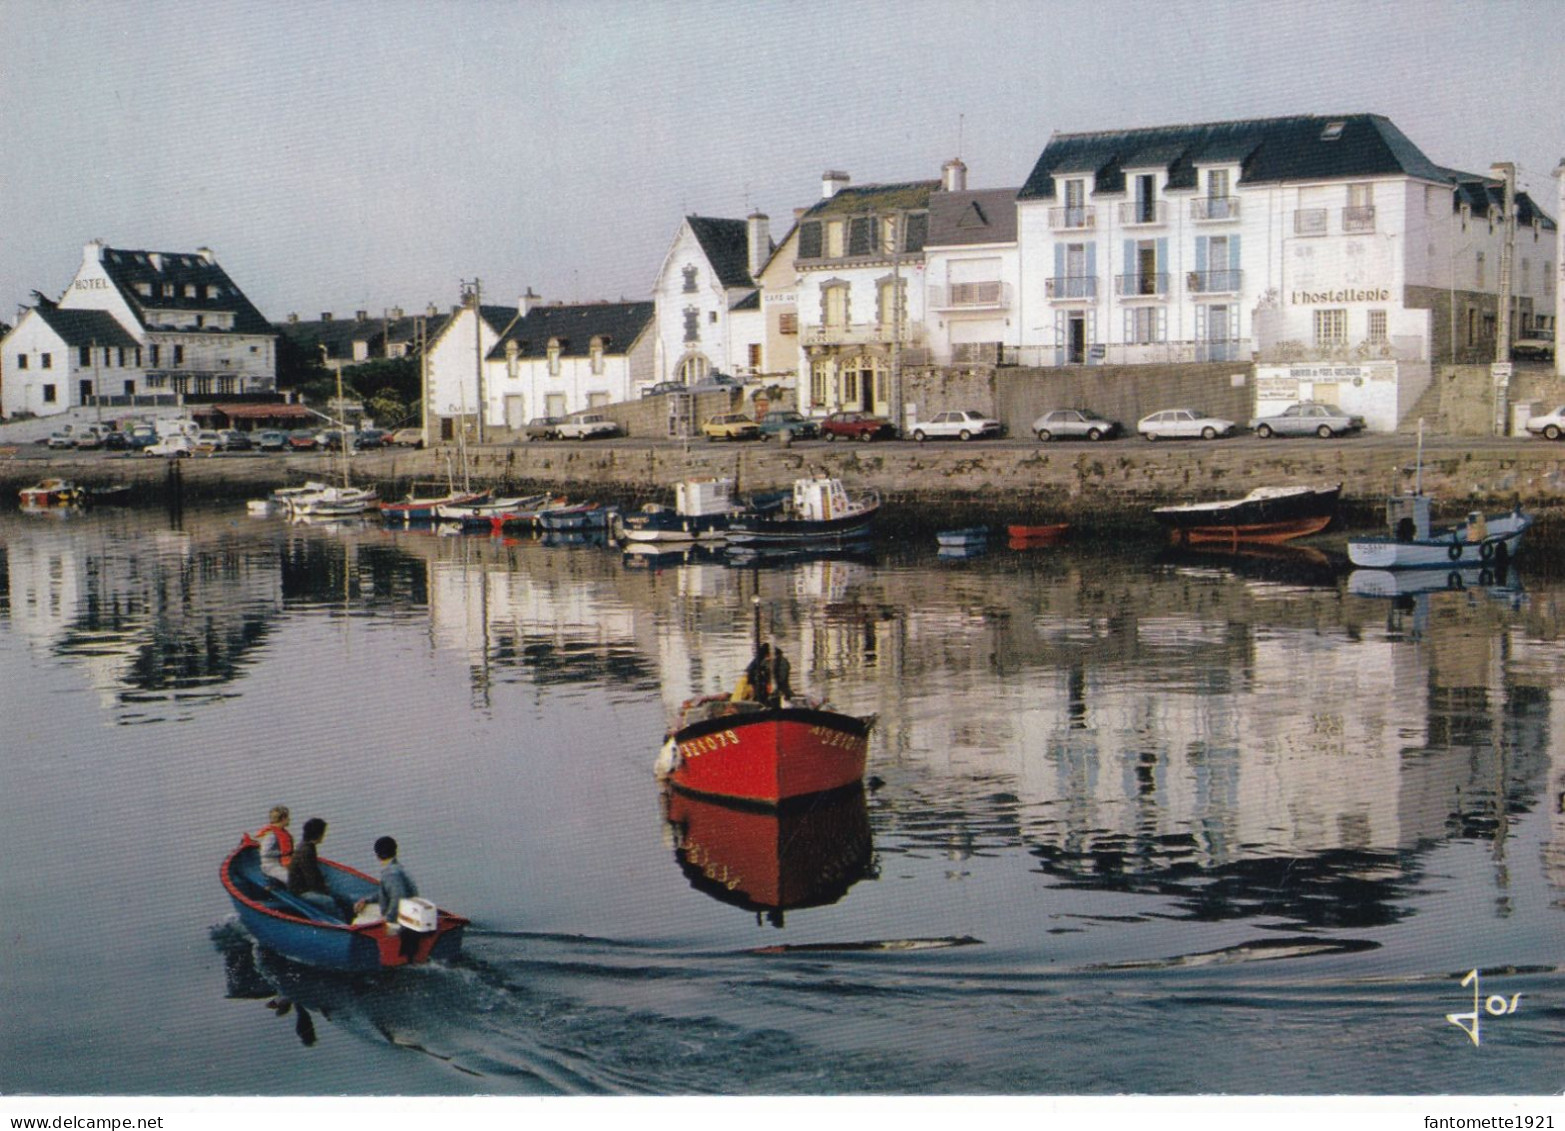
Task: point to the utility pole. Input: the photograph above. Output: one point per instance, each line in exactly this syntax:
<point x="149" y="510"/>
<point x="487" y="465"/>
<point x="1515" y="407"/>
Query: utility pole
<point x="1506" y="172"/>
<point x="475" y="292"/>
<point x="896" y="324"/>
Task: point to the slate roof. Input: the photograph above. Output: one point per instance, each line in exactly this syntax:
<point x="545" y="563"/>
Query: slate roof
<point x="85" y="327"/>
<point x="1268" y="151"/>
<point x="339" y="334"/>
<point x="618" y="324"/>
<point x="972" y="217"/>
<point x="1481" y="193"/>
<point x="215" y="291"/>
<point x="726" y="244"/>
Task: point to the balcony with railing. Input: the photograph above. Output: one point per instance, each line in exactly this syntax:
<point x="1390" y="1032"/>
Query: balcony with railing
<point x="1358" y="218"/>
<point x="1142" y="284"/>
<point x="1065" y="287"/>
<point x="971" y="296"/>
<point x="1142" y="213"/>
<point x="1214" y="282"/>
<point x="1309" y="222"/>
<point x="849" y="333"/>
<point x="1211" y="209"/>
<point x="1073" y="217"/>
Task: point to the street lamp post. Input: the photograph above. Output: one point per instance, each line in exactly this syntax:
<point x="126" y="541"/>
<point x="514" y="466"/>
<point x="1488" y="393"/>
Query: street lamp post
<point x="1506" y="173"/>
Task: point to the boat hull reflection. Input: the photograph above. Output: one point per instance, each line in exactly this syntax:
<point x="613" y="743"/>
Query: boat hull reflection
<point x="806" y="854"/>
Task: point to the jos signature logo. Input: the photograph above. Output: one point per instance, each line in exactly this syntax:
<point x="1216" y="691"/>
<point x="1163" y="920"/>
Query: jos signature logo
<point x="1496" y="1005"/>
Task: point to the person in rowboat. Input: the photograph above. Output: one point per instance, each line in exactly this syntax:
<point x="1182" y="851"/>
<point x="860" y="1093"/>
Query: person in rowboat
<point x="305" y="877"/>
<point x="395" y="884"/>
<point x="276" y="845"/>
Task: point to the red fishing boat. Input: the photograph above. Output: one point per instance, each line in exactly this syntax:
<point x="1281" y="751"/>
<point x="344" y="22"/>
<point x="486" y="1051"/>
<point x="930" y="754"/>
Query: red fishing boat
<point x="745" y="751"/>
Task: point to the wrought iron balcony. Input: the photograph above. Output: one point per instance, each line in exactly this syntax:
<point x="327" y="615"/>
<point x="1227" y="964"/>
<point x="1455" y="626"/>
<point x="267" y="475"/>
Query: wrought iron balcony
<point x="1212" y="208"/>
<point x="1359" y="218"/>
<point x="1072" y="287"/>
<point x="1150" y="284"/>
<point x="1141" y="213"/>
<point x="1073" y="217"/>
<point x="1214" y="282"/>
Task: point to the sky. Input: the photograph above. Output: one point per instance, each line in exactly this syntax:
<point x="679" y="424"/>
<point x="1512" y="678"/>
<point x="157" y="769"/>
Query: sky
<point x="372" y="154"/>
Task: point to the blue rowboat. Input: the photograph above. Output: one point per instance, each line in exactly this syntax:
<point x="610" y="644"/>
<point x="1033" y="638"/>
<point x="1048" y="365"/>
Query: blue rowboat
<point x="297" y="929"/>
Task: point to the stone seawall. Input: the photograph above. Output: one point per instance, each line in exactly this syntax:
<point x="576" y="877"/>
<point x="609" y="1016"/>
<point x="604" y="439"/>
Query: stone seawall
<point x="1005" y="479"/>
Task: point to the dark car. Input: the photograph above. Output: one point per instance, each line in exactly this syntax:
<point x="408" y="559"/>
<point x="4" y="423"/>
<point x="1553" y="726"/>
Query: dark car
<point x="271" y="440"/>
<point x="789" y="420"/>
<point x="370" y="439"/>
<point x="662" y="388"/>
<point x="303" y="440"/>
<point x="236" y="441"/>
<point x="116" y="442"/>
<point x="542" y="428"/>
<point x="857" y="426"/>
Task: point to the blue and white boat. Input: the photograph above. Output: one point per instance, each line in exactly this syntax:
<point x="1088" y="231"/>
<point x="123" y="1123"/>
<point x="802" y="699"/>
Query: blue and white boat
<point x="297" y="929"/>
<point x="818" y="512"/>
<point x="1412" y="543"/>
<point x="701" y="512"/>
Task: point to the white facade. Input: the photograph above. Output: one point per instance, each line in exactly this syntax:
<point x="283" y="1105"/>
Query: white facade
<point x="452" y="365"/>
<point x="138" y="324"/>
<point x="707" y="317"/>
<point x="972" y="275"/>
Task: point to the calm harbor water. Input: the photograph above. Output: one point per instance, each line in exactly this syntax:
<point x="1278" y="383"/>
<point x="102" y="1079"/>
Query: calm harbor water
<point x="1133" y="823"/>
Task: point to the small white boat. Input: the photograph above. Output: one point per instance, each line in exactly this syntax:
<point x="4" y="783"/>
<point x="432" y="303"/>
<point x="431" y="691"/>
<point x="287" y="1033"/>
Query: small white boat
<point x="820" y="512"/>
<point x="332" y="501"/>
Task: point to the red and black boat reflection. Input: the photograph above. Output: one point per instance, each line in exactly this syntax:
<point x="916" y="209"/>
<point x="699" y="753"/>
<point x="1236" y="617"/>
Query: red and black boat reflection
<point x="806" y="853"/>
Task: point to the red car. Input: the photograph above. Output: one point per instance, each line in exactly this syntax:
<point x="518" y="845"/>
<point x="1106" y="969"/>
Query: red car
<point x="857" y="426"/>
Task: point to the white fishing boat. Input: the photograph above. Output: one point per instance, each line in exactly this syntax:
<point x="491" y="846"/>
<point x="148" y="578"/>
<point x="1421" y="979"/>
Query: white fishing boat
<point x="701" y="512"/>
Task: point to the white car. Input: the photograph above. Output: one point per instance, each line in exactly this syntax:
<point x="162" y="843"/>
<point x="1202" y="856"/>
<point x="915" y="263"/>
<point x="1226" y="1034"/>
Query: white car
<point x="1551" y="425"/>
<point x="172" y="446"/>
<point x="1183" y="424"/>
<point x="586" y="427"/>
<point x="1073" y="424"/>
<point x="958" y="424"/>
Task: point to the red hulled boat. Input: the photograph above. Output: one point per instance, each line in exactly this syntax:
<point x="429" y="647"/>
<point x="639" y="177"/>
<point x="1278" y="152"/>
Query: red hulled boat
<point x="1266" y="514"/>
<point x="744" y="751"/>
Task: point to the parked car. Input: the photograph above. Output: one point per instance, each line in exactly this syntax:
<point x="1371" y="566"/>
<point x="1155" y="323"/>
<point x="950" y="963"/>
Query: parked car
<point x="369" y="439"/>
<point x="542" y="428"/>
<point x="177" y="446"/>
<point x="794" y="422"/>
<point x="271" y="440"/>
<point x="208" y="441"/>
<point x="406" y="438"/>
<point x="586" y="426"/>
<point x="731" y="426"/>
<point x="1183" y="424"/>
<point x="89" y="439"/>
<point x="235" y="440"/>
<point x="957" y="424"/>
<point x="1549" y="425"/>
<point x="662" y="388"/>
<point x="1307" y="419"/>
<point x="303" y="440"/>
<point x="857" y="426"/>
<point x="58" y="440"/>
<point x="116" y="442"/>
<point x="330" y="440"/>
<point x="1534" y="345"/>
<point x="1074" y="424"/>
<point x="715" y="381"/>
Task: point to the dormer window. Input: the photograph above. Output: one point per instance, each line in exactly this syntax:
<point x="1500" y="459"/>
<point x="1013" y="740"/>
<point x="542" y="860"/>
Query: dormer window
<point x="144" y="290"/>
<point x="1332" y="131"/>
<point x="595" y="355"/>
<point x="553" y="352"/>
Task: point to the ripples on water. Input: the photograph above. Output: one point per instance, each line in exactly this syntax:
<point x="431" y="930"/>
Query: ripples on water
<point x="1133" y="823"/>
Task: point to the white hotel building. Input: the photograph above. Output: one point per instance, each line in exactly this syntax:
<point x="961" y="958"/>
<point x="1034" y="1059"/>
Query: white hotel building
<point x="1327" y="250"/>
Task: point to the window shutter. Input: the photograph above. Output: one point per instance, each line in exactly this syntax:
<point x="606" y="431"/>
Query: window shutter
<point x="1200" y="255"/>
<point x="810" y="240"/>
<point x="1233" y="253"/>
<point x="1059" y="268"/>
<point x="1162" y="255"/>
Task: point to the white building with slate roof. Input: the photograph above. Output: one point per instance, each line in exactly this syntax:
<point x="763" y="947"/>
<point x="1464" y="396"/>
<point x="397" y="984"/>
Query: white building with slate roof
<point x="707" y="303"/>
<point x="556" y="359"/>
<point x="1329" y="251"/>
<point x="135" y="326"/>
<point x="972" y="273"/>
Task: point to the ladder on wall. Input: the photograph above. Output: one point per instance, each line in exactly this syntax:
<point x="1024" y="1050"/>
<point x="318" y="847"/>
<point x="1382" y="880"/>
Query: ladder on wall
<point x="681" y="415"/>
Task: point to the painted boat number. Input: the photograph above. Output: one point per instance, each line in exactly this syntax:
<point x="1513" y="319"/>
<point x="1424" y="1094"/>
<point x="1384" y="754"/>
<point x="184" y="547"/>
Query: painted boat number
<point x="708" y="743"/>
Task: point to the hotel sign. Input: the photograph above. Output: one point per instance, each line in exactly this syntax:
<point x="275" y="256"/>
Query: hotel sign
<point x="1342" y="294"/>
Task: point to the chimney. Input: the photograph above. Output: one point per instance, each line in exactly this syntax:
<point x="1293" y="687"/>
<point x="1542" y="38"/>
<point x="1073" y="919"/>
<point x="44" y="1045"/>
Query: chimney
<point x="758" y="233"/>
<point x="293" y="317"/>
<point x="361" y="316"/>
<point x="206" y="253"/>
<point x="527" y="302"/>
<point x="953" y="176"/>
<point x="92" y="252"/>
<point x="325" y="316"/>
<point x="832" y="182"/>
